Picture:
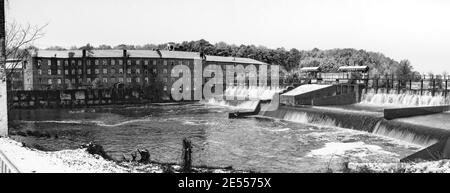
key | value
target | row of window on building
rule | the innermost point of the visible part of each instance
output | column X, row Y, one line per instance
column 114, row 62
column 89, row 80
column 96, row 71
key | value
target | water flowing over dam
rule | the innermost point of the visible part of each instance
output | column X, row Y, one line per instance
column 251, row 93
column 408, row 98
column 364, row 116
column 362, row 121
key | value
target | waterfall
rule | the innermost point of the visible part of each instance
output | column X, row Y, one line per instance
column 250, row 93
column 235, row 105
column 403, row 99
column 416, row 134
column 245, row 98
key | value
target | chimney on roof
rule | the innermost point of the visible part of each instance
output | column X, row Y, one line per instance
column 84, row 53
column 202, row 55
column 159, row 53
column 71, row 54
column 125, row 53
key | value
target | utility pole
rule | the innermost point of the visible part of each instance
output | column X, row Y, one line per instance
column 3, row 91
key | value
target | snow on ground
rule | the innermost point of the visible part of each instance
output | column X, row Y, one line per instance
column 28, row 160
column 67, row 161
column 441, row 166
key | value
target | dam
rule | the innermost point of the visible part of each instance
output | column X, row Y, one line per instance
column 406, row 116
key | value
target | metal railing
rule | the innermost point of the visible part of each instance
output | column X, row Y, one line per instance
column 6, row 166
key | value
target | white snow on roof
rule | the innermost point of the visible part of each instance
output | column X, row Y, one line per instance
column 305, row 89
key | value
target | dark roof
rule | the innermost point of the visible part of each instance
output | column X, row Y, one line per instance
column 141, row 54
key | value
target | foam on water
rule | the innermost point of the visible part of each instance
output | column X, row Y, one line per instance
column 358, row 149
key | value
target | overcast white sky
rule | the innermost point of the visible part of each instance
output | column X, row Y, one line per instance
column 401, row 29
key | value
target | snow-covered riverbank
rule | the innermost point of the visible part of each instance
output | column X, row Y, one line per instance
column 28, row 160
column 441, row 166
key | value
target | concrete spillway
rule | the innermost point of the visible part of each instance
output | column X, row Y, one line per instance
column 357, row 120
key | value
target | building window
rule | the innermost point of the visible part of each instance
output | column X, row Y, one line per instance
column 138, row 80
column 146, row 62
column 73, row 71
column 58, row 63
column 49, row 62
column 59, row 81
column 49, row 72
column 80, row 63
column 88, row 62
column 80, row 71
column 138, row 71
column 96, row 62
column 66, row 63
column 165, row 88
column 113, row 62
column 113, row 80
column 88, row 80
column 165, row 71
column 105, row 71
column 154, row 62
column 40, row 72
column 165, row 62
column 128, row 71
column 105, row 80
column 138, row 62
column 66, row 72
column 97, row 71
column 67, row 81
column 73, row 80
column 154, row 70
column 80, row 80
column 39, row 63
column 121, row 80
column 120, row 71
column 120, row 62
column 73, row 62
column 129, row 80
column 88, row 71
column 146, row 79
column 105, row 62
column 113, row 71
column 165, row 80
column 49, row 81
column 59, row 72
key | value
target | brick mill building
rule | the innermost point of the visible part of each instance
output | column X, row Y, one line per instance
column 83, row 69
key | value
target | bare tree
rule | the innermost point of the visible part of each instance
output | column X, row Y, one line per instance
column 18, row 38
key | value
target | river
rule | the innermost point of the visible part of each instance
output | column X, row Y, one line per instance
column 257, row 144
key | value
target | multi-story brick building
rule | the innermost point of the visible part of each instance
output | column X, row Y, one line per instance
column 14, row 71
column 79, row 69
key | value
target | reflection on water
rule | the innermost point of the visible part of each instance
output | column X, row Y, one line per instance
column 263, row 145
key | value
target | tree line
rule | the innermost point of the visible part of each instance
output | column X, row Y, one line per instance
column 292, row 60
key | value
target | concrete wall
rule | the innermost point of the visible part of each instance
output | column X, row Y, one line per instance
column 395, row 113
column 307, row 98
column 345, row 99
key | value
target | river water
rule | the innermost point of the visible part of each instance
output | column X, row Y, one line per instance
column 257, row 144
